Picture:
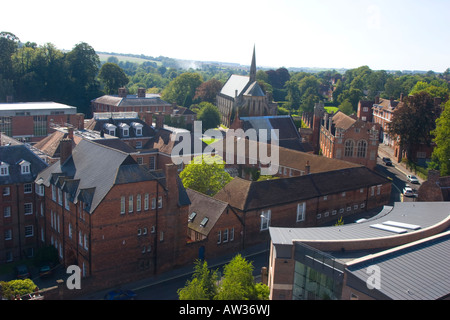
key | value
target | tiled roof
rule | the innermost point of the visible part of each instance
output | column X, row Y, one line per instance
column 250, row 195
column 204, row 207
column 343, row 121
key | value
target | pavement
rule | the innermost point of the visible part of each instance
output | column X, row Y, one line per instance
column 386, row 151
column 180, row 272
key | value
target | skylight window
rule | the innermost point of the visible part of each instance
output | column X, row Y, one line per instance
column 401, row 225
column 192, row 216
column 204, row 222
column 388, row 228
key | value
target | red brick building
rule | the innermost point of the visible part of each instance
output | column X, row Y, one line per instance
column 214, row 228
column 303, row 201
column 123, row 102
column 19, row 202
column 117, row 222
column 32, row 121
column 346, row 138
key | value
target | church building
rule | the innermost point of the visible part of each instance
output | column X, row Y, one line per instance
column 243, row 95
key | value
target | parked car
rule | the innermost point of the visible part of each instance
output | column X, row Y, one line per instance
column 408, row 191
column 22, row 272
column 120, row 295
column 387, row 161
column 412, row 179
column 45, row 270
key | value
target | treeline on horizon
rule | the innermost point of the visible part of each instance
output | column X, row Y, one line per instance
column 31, row 72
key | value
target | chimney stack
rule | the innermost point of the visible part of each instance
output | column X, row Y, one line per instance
column 70, row 132
column 148, row 118
column 65, row 150
column 123, row 92
column 159, row 120
column 141, row 92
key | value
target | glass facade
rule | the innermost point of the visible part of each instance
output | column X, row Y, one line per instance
column 317, row 275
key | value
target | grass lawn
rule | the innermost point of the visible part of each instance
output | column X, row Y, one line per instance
column 331, row 109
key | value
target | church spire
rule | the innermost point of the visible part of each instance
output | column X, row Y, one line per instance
column 253, row 67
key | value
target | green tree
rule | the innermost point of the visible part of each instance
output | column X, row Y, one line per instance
column 14, row 288
column 83, row 65
column 238, row 282
column 203, row 284
column 441, row 153
column 205, row 174
column 209, row 115
column 113, row 77
column 346, row 107
column 182, row 89
column 413, row 121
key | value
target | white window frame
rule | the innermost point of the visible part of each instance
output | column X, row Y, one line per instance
column 28, row 205
column 301, row 211
column 138, row 203
column 265, row 220
column 122, row 205
column 146, row 198
column 29, row 231
column 28, row 188
column 7, row 212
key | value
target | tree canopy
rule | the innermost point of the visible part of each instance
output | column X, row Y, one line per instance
column 205, row 174
column 237, row 283
column 413, row 121
column 209, row 115
column 113, row 77
column 441, row 153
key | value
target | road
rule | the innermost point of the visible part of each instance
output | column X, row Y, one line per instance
column 399, row 181
column 167, row 290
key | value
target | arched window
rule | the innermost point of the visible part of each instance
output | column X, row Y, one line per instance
column 349, row 144
column 362, row 148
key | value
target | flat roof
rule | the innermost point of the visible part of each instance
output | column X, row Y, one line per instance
column 9, row 109
column 417, row 214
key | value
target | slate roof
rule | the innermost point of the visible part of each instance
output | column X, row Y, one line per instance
column 235, row 82
column 13, row 155
column 98, row 125
column 248, row 195
column 86, row 176
column 204, row 207
column 417, row 271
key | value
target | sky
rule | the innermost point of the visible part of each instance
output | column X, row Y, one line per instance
column 384, row 35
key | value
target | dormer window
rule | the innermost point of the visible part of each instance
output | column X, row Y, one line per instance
column 4, row 169
column 110, row 129
column 24, row 167
column 125, row 129
column 137, row 128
